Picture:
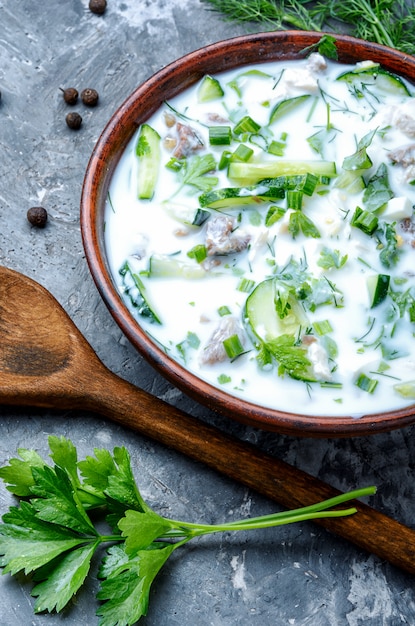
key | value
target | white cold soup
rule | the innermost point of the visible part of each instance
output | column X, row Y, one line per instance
column 260, row 228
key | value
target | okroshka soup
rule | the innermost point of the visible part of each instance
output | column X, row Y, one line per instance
column 259, row 226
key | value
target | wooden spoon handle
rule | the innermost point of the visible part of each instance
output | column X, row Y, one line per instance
column 243, row 462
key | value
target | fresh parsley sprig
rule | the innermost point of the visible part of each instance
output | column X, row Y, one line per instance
column 52, row 535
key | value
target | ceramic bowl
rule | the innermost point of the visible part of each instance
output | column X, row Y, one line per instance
column 138, row 107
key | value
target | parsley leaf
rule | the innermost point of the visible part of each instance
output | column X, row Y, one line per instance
column 389, row 254
column 126, row 587
column 18, row 474
column 292, row 358
column 194, row 170
column 331, row 259
column 378, row 191
column 360, row 159
column 299, row 222
column 58, row 502
column 27, row 543
column 326, row 46
column 63, row 579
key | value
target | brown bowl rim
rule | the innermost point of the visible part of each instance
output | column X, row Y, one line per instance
column 139, row 106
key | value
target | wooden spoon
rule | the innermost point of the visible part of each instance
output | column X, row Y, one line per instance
column 46, row 362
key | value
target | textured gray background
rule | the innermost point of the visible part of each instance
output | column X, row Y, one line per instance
column 298, row 575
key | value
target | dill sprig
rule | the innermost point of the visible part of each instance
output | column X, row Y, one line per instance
column 387, row 22
column 279, row 15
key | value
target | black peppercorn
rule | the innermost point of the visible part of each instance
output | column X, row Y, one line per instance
column 89, row 97
column 97, row 6
column 70, row 95
column 74, row 120
column 37, row 216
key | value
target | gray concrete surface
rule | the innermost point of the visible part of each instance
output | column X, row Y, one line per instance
column 294, row 576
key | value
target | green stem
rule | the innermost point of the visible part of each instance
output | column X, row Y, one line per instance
column 313, row 511
column 107, row 538
column 293, row 20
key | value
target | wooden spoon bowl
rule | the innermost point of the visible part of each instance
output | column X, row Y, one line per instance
column 142, row 103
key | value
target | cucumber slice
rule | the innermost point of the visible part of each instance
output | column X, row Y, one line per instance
column 378, row 286
column 240, row 196
column 376, row 75
column 351, row 181
column 209, row 89
column 406, row 389
column 186, row 215
column 164, row 266
column 286, row 106
column 149, row 157
column 135, row 289
column 262, row 318
column 250, row 173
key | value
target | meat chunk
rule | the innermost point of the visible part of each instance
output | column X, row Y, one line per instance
column 306, row 78
column 405, row 156
column 188, row 141
column 319, row 361
column 402, row 117
column 222, row 238
column 214, row 352
column 316, row 63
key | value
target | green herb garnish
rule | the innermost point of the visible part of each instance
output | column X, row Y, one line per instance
column 193, row 172
column 331, row 259
column 299, row 222
column 378, row 191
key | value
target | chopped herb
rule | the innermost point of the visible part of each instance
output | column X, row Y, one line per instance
column 175, row 164
column 246, row 125
column 277, row 148
column 274, row 214
column 224, row 310
column 220, row 135
column 378, row 191
column 326, row 46
column 246, row 285
column 322, row 327
column 360, row 159
column 366, row 221
column 192, row 341
column 319, row 140
column 242, row 154
column 331, row 259
column 198, row 252
column 299, row 222
column 330, row 385
column 294, row 199
column 224, row 379
column 224, row 160
column 194, row 170
column 233, row 346
column 366, row 384
column 291, row 358
column 389, row 254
